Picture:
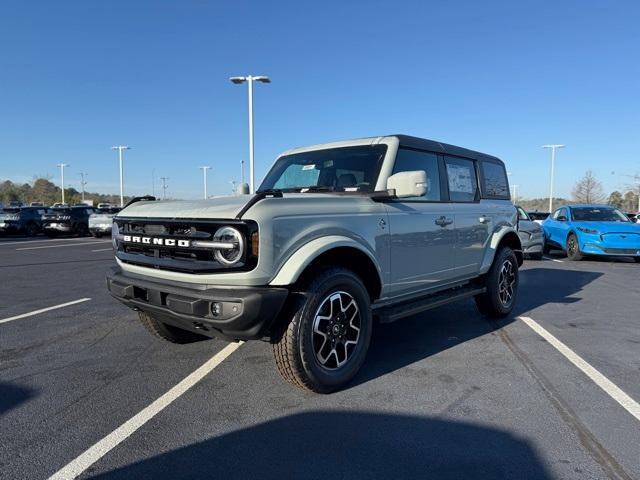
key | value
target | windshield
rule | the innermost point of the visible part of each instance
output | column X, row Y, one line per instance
column 598, row 214
column 522, row 215
column 345, row 169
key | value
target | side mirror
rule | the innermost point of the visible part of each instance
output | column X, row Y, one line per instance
column 562, row 218
column 408, row 184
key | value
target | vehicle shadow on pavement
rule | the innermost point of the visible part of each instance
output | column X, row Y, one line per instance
column 13, row 395
column 334, row 444
column 397, row 345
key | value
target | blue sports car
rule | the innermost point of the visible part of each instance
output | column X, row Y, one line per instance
column 592, row 230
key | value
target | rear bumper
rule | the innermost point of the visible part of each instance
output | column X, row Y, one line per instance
column 100, row 229
column 245, row 313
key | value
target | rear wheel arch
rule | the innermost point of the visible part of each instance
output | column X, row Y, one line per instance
column 511, row 240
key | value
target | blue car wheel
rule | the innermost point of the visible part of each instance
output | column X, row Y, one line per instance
column 573, row 248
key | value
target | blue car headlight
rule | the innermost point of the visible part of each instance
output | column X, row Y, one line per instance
column 590, row 231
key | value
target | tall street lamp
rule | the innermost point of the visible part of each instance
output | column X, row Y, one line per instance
column 553, row 148
column 250, row 79
column 204, row 173
column 83, row 182
column 62, row 165
column 120, row 149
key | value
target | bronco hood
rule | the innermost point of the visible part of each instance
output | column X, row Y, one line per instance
column 223, row 207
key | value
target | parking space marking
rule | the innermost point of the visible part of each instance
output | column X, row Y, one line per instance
column 42, row 310
column 102, row 249
column 65, row 245
column 104, row 446
column 553, row 259
column 610, row 388
column 26, row 242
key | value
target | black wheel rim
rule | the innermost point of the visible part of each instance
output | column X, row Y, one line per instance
column 573, row 246
column 506, row 283
column 336, row 330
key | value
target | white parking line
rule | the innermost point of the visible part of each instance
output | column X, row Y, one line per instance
column 610, row 388
column 553, row 259
column 104, row 446
column 102, row 249
column 66, row 245
column 42, row 310
column 26, row 242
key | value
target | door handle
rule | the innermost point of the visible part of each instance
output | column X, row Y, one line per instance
column 484, row 219
column 443, row 221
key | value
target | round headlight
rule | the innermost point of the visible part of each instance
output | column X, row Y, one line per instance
column 229, row 256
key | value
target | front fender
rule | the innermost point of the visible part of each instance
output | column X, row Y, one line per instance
column 296, row 263
column 496, row 239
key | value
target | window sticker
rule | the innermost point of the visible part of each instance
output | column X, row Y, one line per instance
column 309, row 167
column 460, row 178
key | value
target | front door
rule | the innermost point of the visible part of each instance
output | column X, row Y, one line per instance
column 422, row 233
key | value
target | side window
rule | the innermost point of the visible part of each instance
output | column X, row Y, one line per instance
column 411, row 160
column 461, row 176
column 494, row 180
column 556, row 214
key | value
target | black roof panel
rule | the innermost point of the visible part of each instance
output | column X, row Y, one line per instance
column 433, row 146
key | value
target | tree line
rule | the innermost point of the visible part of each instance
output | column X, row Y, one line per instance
column 45, row 191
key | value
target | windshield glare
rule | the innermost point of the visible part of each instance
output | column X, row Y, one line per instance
column 345, row 169
column 598, row 214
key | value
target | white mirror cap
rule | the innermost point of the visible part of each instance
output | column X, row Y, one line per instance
column 408, row 184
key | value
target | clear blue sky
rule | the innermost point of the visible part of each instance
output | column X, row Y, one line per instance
column 501, row 77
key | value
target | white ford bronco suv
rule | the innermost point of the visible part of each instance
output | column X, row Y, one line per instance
column 337, row 235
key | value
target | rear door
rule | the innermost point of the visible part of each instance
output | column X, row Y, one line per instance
column 422, row 236
column 473, row 220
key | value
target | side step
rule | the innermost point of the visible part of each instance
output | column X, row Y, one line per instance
column 413, row 307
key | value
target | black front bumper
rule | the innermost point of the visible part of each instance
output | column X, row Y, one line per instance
column 231, row 313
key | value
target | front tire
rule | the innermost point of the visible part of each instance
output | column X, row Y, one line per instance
column 168, row 332
column 501, row 283
column 636, row 259
column 573, row 248
column 326, row 341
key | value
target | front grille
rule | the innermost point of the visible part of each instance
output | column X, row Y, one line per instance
column 622, row 251
column 181, row 259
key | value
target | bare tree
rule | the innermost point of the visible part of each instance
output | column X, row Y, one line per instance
column 588, row 189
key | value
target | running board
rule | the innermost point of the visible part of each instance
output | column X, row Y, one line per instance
column 407, row 309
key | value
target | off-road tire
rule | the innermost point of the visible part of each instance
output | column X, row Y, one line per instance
column 490, row 303
column 293, row 350
column 168, row 332
column 82, row 230
column 573, row 249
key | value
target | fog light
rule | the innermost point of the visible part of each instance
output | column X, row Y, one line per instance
column 216, row 309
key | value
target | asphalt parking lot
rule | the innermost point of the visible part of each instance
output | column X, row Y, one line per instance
column 549, row 393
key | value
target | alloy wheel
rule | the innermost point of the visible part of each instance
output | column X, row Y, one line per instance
column 336, row 330
column 506, row 283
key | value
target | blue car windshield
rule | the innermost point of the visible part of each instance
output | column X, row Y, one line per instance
column 598, row 214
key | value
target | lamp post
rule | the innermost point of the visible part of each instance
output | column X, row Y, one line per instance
column 62, row 165
column 120, row 149
column 515, row 193
column 164, row 187
column 82, row 184
column 204, row 173
column 250, row 79
column 553, row 148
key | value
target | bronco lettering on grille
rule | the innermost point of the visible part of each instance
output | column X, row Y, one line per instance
column 167, row 242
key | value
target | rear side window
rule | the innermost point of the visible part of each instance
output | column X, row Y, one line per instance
column 461, row 176
column 412, row 160
column 494, row 181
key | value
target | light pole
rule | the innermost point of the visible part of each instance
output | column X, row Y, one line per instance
column 62, row 165
column 82, row 184
column 204, row 173
column 515, row 193
column 250, row 79
column 120, row 149
column 164, row 187
column 241, row 171
column 553, row 148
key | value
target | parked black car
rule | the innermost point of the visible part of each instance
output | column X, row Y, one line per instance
column 21, row 220
column 538, row 217
column 67, row 220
